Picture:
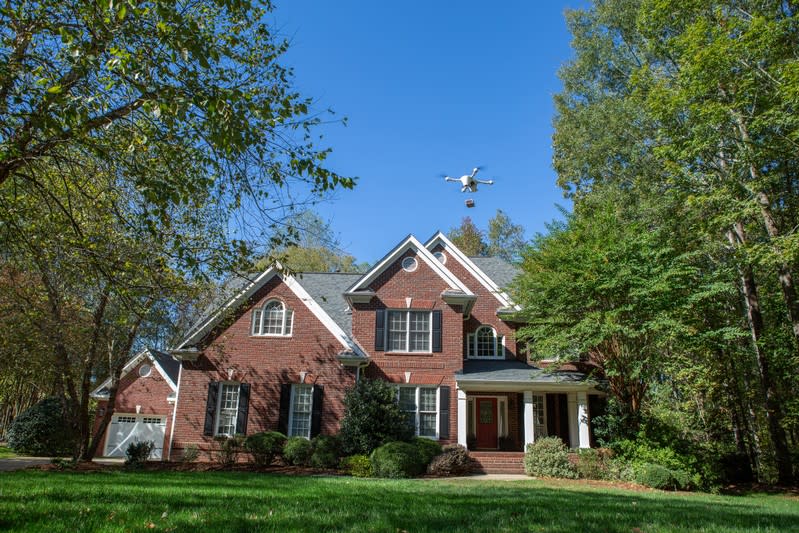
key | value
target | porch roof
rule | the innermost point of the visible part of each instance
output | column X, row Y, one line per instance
column 518, row 376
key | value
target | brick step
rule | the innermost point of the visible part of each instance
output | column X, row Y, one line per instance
column 499, row 462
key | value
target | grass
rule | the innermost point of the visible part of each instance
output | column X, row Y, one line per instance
column 235, row 501
column 6, row 453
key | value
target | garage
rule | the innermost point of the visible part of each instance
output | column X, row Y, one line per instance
column 127, row 428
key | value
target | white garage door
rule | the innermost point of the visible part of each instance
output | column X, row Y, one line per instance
column 125, row 429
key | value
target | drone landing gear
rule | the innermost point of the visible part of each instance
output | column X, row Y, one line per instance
column 469, row 203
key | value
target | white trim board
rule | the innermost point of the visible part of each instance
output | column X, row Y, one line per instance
column 474, row 270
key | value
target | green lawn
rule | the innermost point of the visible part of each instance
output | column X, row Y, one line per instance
column 234, row 501
column 5, row 452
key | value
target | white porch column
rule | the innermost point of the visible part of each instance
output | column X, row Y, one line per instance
column 529, row 421
column 462, row 418
column 573, row 426
column 582, row 419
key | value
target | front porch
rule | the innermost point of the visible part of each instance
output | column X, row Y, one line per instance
column 506, row 405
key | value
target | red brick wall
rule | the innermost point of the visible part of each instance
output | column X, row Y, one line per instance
column 485, row 308
column 149, row 392
column 425, row 286
column 265, row 363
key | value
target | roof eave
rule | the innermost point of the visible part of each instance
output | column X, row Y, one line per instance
column 190, row 354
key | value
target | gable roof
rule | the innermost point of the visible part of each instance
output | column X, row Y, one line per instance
column 456, row 286
column 327, row 289
column 242, row 289
column 166, row 365
column 496, row 268
column 494, row 286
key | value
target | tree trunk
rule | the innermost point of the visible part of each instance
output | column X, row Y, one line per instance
column 774, row 414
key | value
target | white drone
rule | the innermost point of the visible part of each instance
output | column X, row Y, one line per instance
column 469, row 182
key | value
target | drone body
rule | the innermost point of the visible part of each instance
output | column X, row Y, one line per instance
column 469, row 183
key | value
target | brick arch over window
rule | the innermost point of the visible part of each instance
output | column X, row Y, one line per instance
column 273, row 318
column 484, row 343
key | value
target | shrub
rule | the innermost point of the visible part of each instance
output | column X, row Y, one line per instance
column 548, row 457
column 454, row 460
column 591, row 463
column 372, row 417
column 641, row 453
column 297, row 451
column 326, row 451
column 42, row 430
column 138, row 452
column 660, row 477
column 396, row 460
column 264, row 446
column 427, row 449
column 357, row 465
column 229, row 448
column 190, row 453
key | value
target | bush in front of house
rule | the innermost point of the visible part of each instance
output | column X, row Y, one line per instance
column 191, row 452
column 397, row 460
column 641, row 455
column 297, row 451
column 228, row 449
column 326, row 451
column 660, row 477
column 454, row 460
column 548, row 457
column 592, row 463
column 138, row 452
column 357, row 465
column 42, row 430
column 372, row 417
column 265, row 446
column 427, row 449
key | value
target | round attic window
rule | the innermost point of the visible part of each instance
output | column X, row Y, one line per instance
column 409, row 264
column 441, row 257
column 145, row 370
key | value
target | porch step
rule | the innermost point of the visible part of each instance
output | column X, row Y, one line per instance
column 498, row 462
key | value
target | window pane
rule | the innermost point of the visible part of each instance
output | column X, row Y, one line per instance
column 427, row 400
column 273, row 319
column 289, row 315
column 427, row 425
column 407, row 399
column 397, row 330
column 486, row 342
column 538, row 409
column 228, row 409
column 301, row 411
column 256, row 322
column 420, row 331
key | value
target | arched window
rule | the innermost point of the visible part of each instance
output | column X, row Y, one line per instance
column 484, row 344
column 274, row 318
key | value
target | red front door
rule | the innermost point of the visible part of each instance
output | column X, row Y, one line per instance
column 486, row 422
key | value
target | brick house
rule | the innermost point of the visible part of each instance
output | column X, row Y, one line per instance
column 282, row 351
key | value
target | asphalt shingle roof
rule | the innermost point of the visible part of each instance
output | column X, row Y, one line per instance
column 496, row 268
column 327, row 289
column 514, row 372
column 170, row 365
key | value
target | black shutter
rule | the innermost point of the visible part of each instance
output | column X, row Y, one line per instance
column 244, row 409
column 316, row 410
column 210, row 408
column 380, row 320
column 443, row 413
column 285, row 402
column 437, row 330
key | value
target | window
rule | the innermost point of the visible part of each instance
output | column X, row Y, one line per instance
column 227, row 409
column 409, row 264
column 300, row 411
column 409, row 331
column 421, row 405
column 144, row 370
column 274, row 318
column 485, row 344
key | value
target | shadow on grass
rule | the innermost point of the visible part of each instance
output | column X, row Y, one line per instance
column 219, row 501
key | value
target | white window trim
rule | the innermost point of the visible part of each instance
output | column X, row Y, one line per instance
column 499, row 345
column 502, row 415
column 417, row 388
column 291, row 412
column 286, row 325
column 219, row 408
column 387, row 332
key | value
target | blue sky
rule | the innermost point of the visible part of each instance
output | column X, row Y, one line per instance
column 431, row 87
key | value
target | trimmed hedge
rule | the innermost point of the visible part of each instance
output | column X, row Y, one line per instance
column 357, row 465
column 427, row 449
column 397, row 460
column 548, row 457
column 454, row 460
column 42, row 430
column 326, row 451
column 297, row 451
column 265, row 446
